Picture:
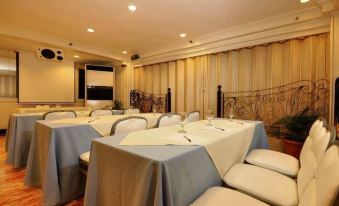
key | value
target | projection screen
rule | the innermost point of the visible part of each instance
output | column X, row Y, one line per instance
column 43, row 81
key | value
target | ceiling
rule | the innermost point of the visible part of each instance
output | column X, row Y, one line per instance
column 9, row 44
column 155, row 24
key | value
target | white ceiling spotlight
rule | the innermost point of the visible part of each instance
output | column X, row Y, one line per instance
column 183, row 35
column 304, row 1
column 90, row 30
column 132, row 7
column 124, row 52
column 76, row 56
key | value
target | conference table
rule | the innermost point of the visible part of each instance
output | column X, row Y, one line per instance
column 162, row 167
column 53, row 161
column 21, row 127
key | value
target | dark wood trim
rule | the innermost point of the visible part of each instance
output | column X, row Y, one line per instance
column 168, row 100
column 219, row 101
column 3, row 132
column 17, row 73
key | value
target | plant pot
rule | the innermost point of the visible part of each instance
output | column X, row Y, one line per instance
column 292, row 148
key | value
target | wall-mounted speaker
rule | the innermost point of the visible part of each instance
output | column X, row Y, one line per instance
column 50, row 54
column 135, row 57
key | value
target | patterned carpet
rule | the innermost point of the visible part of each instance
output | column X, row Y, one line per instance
column 12, row 188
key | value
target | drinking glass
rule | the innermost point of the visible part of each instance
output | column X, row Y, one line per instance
column 209, row 117
column 182, row 126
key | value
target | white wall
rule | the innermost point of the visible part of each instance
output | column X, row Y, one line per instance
column 42, row 81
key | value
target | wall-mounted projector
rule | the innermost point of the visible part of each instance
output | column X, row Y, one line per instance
column 51, row 54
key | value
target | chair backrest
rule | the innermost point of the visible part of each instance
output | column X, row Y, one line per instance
column 324, row 186
column 129, row 124
column 59, row 114
column 193, row 116
column 313, row 150
column 101, row 112
column 315, row 126
column 132, row 111
column 168, row 120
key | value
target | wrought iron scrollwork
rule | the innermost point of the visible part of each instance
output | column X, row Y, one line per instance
column 147, row 102
column 269, row 105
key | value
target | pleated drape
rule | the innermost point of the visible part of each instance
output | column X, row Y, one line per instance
column 8, row 85
column 194, row 80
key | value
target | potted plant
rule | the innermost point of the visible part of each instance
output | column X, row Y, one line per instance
column 295, row 129
column 117, row 107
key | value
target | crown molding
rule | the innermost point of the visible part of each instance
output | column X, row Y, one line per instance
column 326, row 5
column 54, row 41
column 287, row 26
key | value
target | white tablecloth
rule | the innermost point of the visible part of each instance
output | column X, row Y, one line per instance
column 103, row 124
column 226, row 142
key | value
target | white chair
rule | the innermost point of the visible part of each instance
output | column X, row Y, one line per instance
column 100, row 112
column 129, row 124
column 121, row 126
column 193, row 116
column 219, row 196
column 132, row 111
column 278, row 161
column 320, row 191
column 59, row 114
column 168, row 120
column 276, row 188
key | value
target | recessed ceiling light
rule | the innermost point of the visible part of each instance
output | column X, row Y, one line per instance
column 182, row 35
column 304, row 1
column 76, row 56
column 90, row 30
column 124, row 52
column 132, row 7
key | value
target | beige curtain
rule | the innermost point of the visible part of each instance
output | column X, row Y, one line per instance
column 8, row 85
column 194, row 80
column 123, row 83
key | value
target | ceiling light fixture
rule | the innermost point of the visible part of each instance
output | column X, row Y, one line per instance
column 76, row 56
column 304, row 1
column 132, row 7
column 182, row 35
column 90, row 30
column 124, row 52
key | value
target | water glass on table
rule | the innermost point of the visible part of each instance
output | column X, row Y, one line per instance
column 182, row 126
column 209, row 117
